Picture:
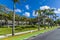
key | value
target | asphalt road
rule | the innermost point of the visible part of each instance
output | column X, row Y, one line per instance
column 52, row 35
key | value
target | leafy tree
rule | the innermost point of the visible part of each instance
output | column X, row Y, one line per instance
column 58, row 21
column 44, row 14
column 3, row 14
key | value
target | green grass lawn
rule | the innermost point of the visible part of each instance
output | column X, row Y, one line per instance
column 23, row 36
column 4, row 31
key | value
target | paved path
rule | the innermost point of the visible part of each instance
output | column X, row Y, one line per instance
column 52, row 35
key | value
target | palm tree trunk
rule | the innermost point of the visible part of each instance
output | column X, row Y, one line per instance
column 48, row 22
column 44, row 23
column 38, row 24
column 13, row 26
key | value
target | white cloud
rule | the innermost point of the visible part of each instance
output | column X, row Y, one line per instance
column 47, row 7
column 27, row 6
column 57, row 11
column 27, row 14
column 35, row 14
column 44, row 7
column 18, row 10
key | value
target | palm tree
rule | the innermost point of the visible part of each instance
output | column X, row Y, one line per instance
column 39, row 15
column 2, row 7
column 49, row 12
column 13, row 27
column 58, row 22
column 43, row 14
column 54, row 17
column 5, row 17
column 17, row 18
column 10, row 14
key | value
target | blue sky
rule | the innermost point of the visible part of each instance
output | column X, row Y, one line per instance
column 27, row 8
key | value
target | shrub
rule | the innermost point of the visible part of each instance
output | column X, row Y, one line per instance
column 24, row 27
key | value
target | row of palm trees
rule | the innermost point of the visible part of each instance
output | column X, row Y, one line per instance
column 44, row 16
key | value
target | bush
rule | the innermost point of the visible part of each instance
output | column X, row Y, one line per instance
column 3, row 26
column 24, row 27
column 18, row 28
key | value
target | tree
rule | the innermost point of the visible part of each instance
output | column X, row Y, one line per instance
column 5, row 17
column 13, row 27
column 55, row 17
column 17, row 18
column 2, row 12
column 57, row 21
column 49, row 14
column 10, row 14
column 43, row 15
column 14, row 8
column 39, row 15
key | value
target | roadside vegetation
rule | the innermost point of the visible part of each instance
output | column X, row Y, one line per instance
column 5, row 30
column 11, row 23
column 28, row 35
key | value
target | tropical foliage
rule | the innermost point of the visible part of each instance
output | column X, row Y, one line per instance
column 45, row 18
